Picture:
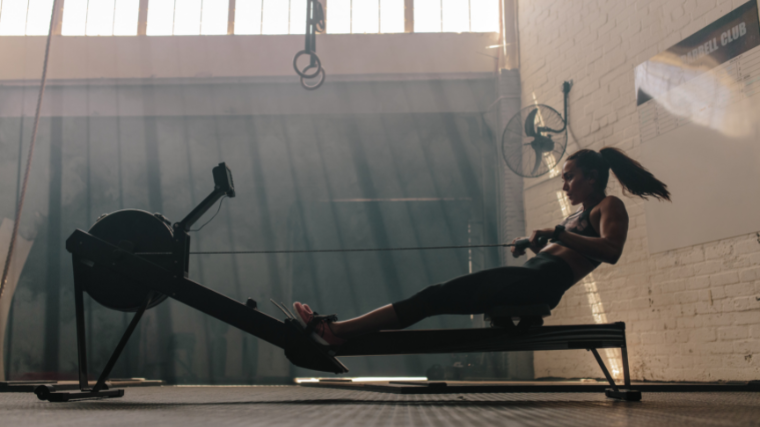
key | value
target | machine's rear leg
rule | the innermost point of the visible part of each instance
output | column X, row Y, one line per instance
column 120, row 347
column 626, row 373
column 615, row 392
column 81, row 338
column 46, row 392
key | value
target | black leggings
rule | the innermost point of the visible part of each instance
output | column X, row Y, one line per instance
column 543, row 279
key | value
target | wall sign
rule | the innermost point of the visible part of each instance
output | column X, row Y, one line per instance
column 699, row 127
column 728, row 37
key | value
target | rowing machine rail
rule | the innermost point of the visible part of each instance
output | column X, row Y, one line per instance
column 105, row 253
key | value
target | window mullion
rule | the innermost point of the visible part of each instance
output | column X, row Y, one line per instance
column 231, row 18
column 324, row 9
column 26, row 18
column 174, row 16
column 142, row 18
column 113, row 18
column 58, row 17
column 86, row 17
column 408, row 16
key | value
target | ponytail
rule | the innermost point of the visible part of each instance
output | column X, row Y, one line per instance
column 634, row 178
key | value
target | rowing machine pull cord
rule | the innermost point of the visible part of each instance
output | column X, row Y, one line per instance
column 521, row 244
column 315, row 21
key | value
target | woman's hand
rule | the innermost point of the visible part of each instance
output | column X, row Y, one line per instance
column 535, row 244
column 517, row 252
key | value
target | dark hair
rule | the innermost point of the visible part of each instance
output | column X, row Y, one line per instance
column 636, row 179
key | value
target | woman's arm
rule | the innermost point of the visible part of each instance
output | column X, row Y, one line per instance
column 613, row 231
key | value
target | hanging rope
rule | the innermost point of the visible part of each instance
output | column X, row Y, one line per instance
column 12, row 246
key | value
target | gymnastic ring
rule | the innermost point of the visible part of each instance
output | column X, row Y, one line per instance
column 313, row 56
column 316, row 86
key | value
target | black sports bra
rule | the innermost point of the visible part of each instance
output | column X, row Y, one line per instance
column 580, row 223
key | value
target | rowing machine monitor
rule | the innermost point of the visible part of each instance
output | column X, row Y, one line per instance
column 223, row 186
column 223, row 179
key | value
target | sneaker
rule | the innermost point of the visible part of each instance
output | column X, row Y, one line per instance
column 322, row 332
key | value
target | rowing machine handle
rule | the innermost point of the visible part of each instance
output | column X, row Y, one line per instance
column 523, row 244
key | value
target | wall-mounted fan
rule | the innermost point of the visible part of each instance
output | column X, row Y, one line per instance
column 535, row 139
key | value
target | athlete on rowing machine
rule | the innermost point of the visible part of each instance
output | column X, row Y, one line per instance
column 594, row 234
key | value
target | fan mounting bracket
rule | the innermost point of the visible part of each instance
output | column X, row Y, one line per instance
column 566, row 86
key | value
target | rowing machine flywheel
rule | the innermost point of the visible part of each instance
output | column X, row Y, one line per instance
column 134, row 231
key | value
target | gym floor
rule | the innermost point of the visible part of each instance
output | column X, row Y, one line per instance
column 303, row 406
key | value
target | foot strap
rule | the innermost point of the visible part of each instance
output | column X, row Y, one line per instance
column 317, row 319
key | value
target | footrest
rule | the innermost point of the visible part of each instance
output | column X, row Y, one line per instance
column 623, row 394
column 308, row 354
column 528, row 315
column 46, row 392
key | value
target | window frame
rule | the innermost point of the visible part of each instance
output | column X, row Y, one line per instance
column 142, row 21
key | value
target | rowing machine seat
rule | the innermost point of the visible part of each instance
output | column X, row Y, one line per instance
column 527, row 315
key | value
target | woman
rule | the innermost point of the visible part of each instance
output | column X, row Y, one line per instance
column 594, row 234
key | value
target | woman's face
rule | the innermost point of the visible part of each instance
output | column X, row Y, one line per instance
column 575, row 184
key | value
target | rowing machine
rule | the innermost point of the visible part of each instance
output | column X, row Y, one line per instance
column 122, row 263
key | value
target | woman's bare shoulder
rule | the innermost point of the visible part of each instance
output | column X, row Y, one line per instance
column 612, row 201
column 612, row 204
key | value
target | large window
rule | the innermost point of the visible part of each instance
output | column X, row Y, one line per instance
column 25, row 17
column 100, row 18
column 209, row 17
column 187, row 17
column 270, row 16
column 365, row 16
column 456, row 16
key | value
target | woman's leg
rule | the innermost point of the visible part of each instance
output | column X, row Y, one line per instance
column 379, row 319
column 470, row 294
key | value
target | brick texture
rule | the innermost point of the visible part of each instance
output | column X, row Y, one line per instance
column 692, row 314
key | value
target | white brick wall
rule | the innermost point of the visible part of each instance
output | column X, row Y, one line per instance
column 693, row 313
